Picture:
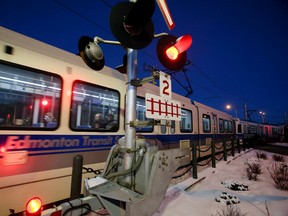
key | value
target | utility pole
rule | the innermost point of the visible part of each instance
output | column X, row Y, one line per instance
column 245, row 111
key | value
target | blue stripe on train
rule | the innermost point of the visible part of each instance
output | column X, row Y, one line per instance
column 49, row 144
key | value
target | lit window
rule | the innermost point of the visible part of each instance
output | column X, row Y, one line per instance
column 206, row 121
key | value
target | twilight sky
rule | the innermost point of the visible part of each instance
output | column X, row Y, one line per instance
column 239, row 52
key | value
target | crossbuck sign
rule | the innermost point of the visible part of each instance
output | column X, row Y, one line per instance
column 162, row 107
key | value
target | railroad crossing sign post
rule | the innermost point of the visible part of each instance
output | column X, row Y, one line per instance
column 130, row 115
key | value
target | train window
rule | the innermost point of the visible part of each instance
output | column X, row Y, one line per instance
column 94, row 108
column 249, row 129
column 253, row 129
column 206, row 120
column 221, row 125
column 29, row 98
column 230, row 127
column 245, row 128
column 186, row 125
column 239, row 128
column 226, row 126
column 141, row 115
column 163, row 126
column 172, row 127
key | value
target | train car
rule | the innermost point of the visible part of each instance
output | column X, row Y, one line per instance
column 255, row 130
column 213, row 124
column 49, row 102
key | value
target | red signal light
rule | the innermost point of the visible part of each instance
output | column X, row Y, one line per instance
column 183, row 43
column 171, row 51
column 33, row 207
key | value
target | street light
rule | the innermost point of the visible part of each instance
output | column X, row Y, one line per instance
column 229, row 107
column 263, row 114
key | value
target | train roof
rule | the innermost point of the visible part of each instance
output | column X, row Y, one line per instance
column 255, row 123
column 15, row 38
column 198, row 104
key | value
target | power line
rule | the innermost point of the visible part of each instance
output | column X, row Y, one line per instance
column 106, row 3
column 82, row 16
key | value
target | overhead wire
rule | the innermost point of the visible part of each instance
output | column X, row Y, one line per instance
column 106, row 3
column 240, row 98
column 82, row 16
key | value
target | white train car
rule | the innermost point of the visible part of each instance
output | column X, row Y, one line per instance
column 264, row 131
column 48, row 100
column 213, row 124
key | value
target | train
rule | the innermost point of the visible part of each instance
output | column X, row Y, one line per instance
column 50, row 105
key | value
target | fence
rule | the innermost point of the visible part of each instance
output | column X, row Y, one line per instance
column 218, row 150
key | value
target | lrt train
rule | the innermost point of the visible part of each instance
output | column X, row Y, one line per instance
column 53, row 107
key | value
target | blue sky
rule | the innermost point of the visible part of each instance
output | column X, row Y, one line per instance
column 239, row 52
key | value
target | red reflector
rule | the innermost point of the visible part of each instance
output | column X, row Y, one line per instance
column 34, row 205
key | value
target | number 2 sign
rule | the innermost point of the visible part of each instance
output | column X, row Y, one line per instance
column 165, row 85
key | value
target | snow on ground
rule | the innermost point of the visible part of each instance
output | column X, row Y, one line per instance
column 184, row 200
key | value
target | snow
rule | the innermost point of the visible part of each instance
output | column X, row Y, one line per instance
column 197, row 197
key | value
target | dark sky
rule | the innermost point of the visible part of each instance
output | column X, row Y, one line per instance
column 239, row 52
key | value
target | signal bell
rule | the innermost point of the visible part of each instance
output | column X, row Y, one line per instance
column 91, row 53
column 171, row 51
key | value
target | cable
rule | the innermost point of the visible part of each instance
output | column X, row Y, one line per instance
column 106, row 3
column 80, row 15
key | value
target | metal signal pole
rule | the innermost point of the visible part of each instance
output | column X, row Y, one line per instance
column 131, row 92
